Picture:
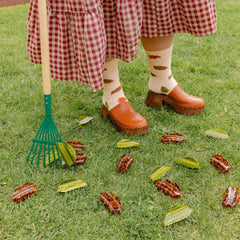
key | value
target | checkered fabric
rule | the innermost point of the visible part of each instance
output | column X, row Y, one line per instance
column 123, row 20
column 83, row 32
column 77, row 40
column 166, row 17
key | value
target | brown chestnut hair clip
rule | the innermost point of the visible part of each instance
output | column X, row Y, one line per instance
column 77, row 145
column 220, row 163
column 23, row 192
column 169, row 188
column 231, row 197
column 172, row 138
column 112, row 202
column 124, row 163
column 80, row 160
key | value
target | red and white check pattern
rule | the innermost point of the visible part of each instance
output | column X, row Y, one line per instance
column 123, row 20
column 77, row 40
column 165, row 17
column 83, row 32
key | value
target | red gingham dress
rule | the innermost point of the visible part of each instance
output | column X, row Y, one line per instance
column 83, row 32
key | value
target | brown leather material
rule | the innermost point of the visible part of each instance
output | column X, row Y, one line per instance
column 179, row 100
column 125, row 119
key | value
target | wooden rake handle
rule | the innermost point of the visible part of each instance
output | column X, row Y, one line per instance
column 43, row 24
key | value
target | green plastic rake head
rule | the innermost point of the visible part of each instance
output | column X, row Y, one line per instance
column 44, row 144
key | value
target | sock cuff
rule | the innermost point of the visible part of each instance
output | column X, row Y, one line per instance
column 160, row 52
column 111, row 70
column 111, row 63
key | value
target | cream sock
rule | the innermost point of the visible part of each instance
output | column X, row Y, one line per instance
column 112, row 91
column 161, row 80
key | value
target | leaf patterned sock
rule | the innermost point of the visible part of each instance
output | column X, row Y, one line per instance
column 161, row 80
column 112, row 91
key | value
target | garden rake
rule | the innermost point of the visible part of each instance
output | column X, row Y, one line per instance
column 44, row 144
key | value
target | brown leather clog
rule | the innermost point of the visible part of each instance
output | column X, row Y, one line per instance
column 125, row 119
column 179, row 100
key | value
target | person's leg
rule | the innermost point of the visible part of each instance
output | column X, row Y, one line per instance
column 162, row 85
column 112, row 91
column 116, row 106
column 158, row 43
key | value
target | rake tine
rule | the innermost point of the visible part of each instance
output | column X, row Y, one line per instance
column 41, row 134
column 38, row 133
column 44, row 157
column 49, row 156
column 39, row 154
column 34, row 153
column 48, row 150
column 53, row 152
column 48, row 146
column 55, row 161
column 40, row 148
column 30, row 151
column 58, row 138
column 51, row 135
column 59, row 159
column 41, row 137
column 56, row 135
column 52, row 145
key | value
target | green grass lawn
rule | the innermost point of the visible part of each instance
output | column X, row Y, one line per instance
column 207, row 67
